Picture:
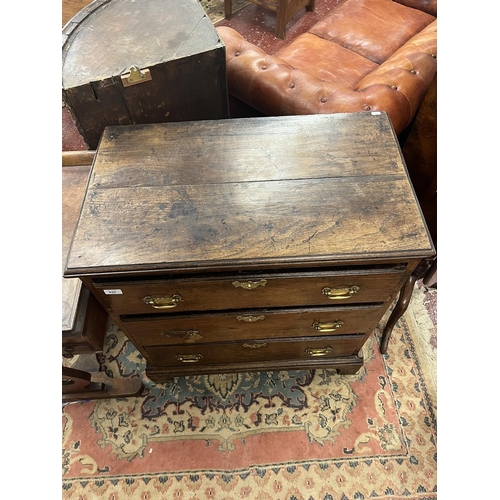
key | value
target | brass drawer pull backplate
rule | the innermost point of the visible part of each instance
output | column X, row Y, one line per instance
column 340, row 293
column 162, row 302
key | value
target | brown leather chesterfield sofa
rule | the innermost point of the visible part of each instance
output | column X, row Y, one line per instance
column 363, row 55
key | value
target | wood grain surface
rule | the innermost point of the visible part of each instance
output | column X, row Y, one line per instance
column 221, row 193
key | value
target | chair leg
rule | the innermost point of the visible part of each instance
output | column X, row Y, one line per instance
column 85, row 381
column 400, row 308
column 228, row 9
column 310, row 6
column 430, row 277
column 281, row 20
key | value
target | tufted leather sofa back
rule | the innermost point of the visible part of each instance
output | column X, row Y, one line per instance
column 364, row 55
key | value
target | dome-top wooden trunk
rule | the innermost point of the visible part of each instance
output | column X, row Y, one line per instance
column 142, row 61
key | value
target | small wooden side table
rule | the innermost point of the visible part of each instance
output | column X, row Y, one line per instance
column 285, row 10
column 83, row 318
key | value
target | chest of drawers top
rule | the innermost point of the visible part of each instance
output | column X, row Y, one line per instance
column 250, row 193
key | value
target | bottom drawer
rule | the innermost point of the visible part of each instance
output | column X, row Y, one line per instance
column 251, row 351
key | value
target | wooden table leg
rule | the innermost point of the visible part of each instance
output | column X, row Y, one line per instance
column 400, row 308
column 403, row 302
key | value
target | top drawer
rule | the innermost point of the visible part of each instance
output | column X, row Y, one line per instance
column 259, row 291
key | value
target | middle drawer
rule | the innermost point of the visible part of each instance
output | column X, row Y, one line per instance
column 251, row 324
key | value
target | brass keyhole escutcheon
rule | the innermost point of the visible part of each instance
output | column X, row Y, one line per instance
column 249, row 285
column 255, row 345
column 250, row 319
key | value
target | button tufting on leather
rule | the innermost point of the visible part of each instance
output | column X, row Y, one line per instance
column 393, row 87
column 323, row 99
column 366, row 107
column 264, row 67
column 413, row 72
column 237, row 53
column 433, row 55
column 292, row 85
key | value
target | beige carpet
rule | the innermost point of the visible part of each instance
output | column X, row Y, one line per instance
column 422, row 318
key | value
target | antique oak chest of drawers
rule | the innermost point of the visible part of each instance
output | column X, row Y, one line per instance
column 249, row 244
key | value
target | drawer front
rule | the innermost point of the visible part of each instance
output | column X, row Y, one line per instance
column 263, row 350
column 320, row 289
column 253, row 324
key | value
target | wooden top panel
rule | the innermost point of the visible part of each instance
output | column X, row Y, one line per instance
column 109, row 36
column 223, row 193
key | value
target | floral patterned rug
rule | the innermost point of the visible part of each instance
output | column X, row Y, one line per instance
column 308, row 434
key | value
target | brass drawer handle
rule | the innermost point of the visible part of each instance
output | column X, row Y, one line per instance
column 162, row 302
column 319, row 351
column 327, row 327
column 250, row 319
column 340, row 293
column 256, row 345
column 249, row 285
column 189, row 358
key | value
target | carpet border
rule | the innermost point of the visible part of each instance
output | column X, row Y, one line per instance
column 264, row 468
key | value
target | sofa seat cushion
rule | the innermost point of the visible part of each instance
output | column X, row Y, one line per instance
column 326, row 61
column 374, row 29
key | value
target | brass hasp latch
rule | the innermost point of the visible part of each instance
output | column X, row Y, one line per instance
column 135, row 76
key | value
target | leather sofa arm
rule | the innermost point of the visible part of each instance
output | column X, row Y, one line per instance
column 429, row 6
column 274, row 87
column 408, row 72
